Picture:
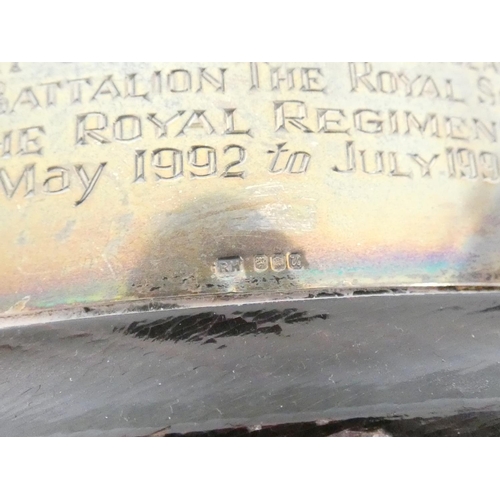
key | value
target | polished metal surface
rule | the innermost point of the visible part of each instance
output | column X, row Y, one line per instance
column 201, row 246
column 192, row 184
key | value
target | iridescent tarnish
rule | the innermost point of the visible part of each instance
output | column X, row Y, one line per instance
column 121, row 182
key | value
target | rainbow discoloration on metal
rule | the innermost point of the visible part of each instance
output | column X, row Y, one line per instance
column 125, row 183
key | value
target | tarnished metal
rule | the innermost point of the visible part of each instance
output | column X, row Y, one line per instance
column 173, row 182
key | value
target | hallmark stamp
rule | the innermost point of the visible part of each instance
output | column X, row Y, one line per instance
column 229, row 265
column 278, row 262
column 260, row 263
column 294, row 261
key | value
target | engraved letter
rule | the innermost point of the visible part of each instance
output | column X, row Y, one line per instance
column 127, row 128
column 5, row 145
column 350, row 159
column 254, row 76
column 139, row 165
column 333, row 117
column 274, row 162
column 76, row 89
column 393, row 122
column 287, row 77
column 229, row 118
column 176, row 164
column 4, row 102
column 454, row 128
column 27, row 96
column 485, row 87
column 88, row 184
column 10, row 188
column 131, row 85
column 28, row 145
column 466, row 161
column 218, row 84
column 379, row 162
column 283, row 114
column 488, row 163
column 304, row 162
column 360, row 76
column 202, row 169
column 369, row 126
column 430, row 120
column 387, row 82
column 309, row 78
column 394, row 167
column 450, row 162
column 197, row 120
column 162, row 127
column 242, row 156
column 86, row 126
column 408, row 83
column 429, row 88
column 424, row 165
column 450, row 94
column 51, row 92
column 107, row 87
column 179, row 80
column 489, row 133
column 57, row 183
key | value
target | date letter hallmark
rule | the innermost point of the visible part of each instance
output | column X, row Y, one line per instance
column 294, row 261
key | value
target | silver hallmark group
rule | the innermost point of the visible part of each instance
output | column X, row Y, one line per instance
column 277, row 262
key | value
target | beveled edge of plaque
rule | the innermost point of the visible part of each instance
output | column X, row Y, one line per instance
column 96, row 310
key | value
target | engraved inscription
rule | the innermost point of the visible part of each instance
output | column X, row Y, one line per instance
column 296, row 117
column 113, row 87
column 56, row 180
column 197, row 162
column 157, row 125
column 22, row 142
column 98, row 127
column 265, row 76
column 365, row 78
column 295, row 162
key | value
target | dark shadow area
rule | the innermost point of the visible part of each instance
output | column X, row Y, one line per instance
column 478, row 424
